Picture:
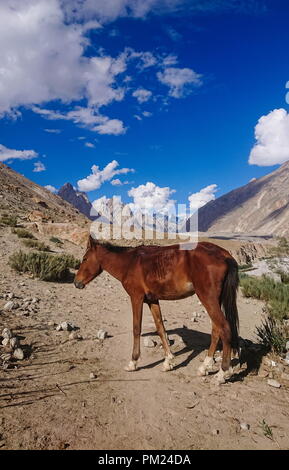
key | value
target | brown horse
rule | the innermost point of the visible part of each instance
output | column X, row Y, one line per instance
column 153, row 273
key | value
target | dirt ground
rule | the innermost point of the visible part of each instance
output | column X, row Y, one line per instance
column 48, row 401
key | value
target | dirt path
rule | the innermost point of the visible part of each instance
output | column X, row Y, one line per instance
column 50, row 402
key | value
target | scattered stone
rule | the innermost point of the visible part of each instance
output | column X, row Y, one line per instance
column 14, row 342
column 287, row 346
column 5, row 342
column 6, row 333
column 10, row 296
column 18, row 354
column 34, row 300
column 50, row 323
column 11, row 305
column 6, row 357
column 245, row 426
column 101, row 334
column 92, row 375
column 148, row 342
column 287, row 358
column 216, row 432
column 273, row 383
column 65, row 326
column 263, row 374
column 74, row 335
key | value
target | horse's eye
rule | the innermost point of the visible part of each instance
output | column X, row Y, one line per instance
column 84, row 259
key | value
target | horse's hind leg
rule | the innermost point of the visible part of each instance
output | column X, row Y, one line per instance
column 157, row 315
column 221, row 328
column 137, row 309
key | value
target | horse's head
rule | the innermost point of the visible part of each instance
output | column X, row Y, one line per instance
column 90, row 265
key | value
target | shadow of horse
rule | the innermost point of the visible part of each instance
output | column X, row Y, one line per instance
column 195, row 343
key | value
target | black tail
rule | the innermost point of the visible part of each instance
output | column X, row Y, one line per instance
column 229, row 301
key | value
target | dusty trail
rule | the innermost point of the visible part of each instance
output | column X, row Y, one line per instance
column 49, row 401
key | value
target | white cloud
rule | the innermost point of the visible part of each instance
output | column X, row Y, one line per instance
column 272, row 139
column 147, row 114
column 39, row 167
column 136, row 116
column 50, row 188
column 53, row 131
column 198, row 200
column 89, row 145
column 117, row 182
column 151, row 198
column 10, row 154
column 142, row 95
column 86, row 117
column 98, row 177
column 179, row 81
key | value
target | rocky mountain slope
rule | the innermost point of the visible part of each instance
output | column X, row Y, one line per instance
column 261, row 206
column 77, row 199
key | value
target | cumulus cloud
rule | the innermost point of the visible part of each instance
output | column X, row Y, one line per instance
column 39, row 167
column 142, row 95
column 180, row 81
column 89, row 145
column 198, row 200
column 272, row 139
column 98, row 177
column 151, row 198
column 117, row 182
column 51, row 188
column 11, row 154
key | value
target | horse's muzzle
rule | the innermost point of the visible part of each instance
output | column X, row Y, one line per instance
column 78, row 284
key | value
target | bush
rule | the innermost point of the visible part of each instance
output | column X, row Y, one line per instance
column 22, row 233
column 36, row 244
column 44, row 266
column 273, row 335
column 10, row 220
column 274, row 293
column 282, row 249
column 56, row 241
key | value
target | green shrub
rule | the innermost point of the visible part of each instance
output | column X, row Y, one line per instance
column 22, row 233
column 273, row 335
column 36, row 244
column 56, row 241
column 44, row 266
column 281, row 250
column 10, row 220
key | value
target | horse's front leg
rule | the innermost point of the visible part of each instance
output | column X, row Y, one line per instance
column 157, row 315
column 137, row 309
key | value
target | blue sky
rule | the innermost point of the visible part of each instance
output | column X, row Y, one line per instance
column 203, row 73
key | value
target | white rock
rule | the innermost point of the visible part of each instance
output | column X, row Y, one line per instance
column 287, row 346
column 34, row 300
column 10, row 305
column 245, row 426
column 273, row 383
column 101, row 334
column 14, row 342
column 92, row 375
column 10, row 296
column 18, row 354
column 65, row 326
column 5, row 342
column 6, row 333
column 74, row 335
column 148, row 342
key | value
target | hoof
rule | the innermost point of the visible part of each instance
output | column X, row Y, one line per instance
column 167, row 366
column 206, row 367
column 131, row 367
column 222, row 376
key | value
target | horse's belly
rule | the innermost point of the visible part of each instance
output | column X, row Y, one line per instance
column 178, row 292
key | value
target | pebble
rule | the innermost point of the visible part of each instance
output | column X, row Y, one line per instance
column 215, row 432
column 287, row 346
column 92, row 375
column 65, row 326
column 14, row 342
column 245, row 426
column 149, row 343
column 18, row 354
column 101, row 334
column 74, row 335
column 11, row 305
column 273, row 383
column 5, row 342
column 6, row 333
